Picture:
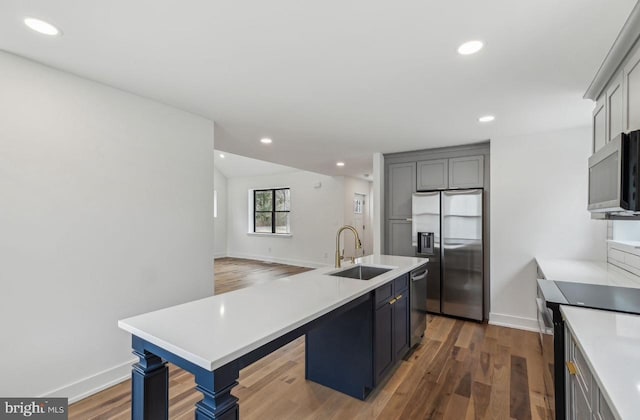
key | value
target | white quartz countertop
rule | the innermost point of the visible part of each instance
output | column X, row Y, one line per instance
column 213, row 331
column 610, row 341
column 587, row 271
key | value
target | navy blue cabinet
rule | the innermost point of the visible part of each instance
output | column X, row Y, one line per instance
column 391, row 326
column 354, row 351
column 400, row 326
column 383, row 345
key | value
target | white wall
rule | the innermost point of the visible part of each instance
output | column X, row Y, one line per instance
column 351, row 187
column 538, row 208
column 106, row 212
column 220, row 223
column 316, row 214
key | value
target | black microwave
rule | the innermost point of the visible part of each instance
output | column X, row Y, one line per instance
column 614, row 176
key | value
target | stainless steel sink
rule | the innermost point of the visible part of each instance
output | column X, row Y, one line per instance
column 361, row 272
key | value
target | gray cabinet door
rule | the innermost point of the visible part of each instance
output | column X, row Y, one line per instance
column 401, row 184
column 579, row 408
column 614, row 108
column 599, row 129
column 399, row 238
column 433, row 174
column 466, row 172
column 631, row 94
column 578, row 384
column 602, row 411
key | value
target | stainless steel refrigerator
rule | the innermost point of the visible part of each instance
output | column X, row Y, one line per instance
column 447, row 229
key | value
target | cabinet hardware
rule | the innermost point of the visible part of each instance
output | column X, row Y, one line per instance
column 571, row 368
column 398, row 297
column 392, row 301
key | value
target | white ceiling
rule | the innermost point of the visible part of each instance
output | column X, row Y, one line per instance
column 336, row 80
column 233, row 166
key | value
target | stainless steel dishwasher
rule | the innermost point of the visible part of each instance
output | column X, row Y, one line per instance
column 418, row 294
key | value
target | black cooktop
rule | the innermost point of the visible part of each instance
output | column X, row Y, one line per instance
column 611, row 298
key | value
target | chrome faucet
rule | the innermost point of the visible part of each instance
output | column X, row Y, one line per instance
column 358, row 244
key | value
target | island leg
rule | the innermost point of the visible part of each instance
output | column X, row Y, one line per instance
column 149, row 386
column 218, row 403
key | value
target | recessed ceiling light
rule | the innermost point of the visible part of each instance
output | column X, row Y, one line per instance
column 486, row 118
column 266, row 140
column 339, row 163
column 221, row 155
column 470, row 47
column 42, row 27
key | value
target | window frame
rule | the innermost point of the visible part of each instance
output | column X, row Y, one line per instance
column 273, row 210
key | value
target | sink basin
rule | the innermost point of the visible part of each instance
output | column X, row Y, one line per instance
column 361, row 272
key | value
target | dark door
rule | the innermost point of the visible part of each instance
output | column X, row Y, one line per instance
column 382, row 340
column 401, row 337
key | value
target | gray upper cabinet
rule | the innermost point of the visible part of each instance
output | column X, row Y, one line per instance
column 439, row 169
column 466, row 172
column 614, row 108
column 433, row 174
column 442, row 174
column 401, row 184
column 616, row 86
column 631, row 92
column 599, row 127
column 617, row 109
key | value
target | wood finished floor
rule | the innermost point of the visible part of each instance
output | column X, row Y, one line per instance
column 236, row 273
column 462, row 370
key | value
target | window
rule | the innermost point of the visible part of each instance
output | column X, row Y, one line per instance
column 358, row 203
column 271, row 209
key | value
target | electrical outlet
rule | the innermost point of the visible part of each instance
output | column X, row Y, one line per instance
column 269, row 250
column 326, row 255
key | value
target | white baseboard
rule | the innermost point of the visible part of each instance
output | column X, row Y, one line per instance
column 92, row 384
column 270, row 258
column 512, row 321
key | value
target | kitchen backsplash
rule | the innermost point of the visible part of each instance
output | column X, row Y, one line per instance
column 621, row 230
column 623, row 248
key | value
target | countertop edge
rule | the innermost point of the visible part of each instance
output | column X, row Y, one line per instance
column 591, row 272
column 212, row 365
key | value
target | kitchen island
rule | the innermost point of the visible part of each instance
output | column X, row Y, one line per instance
column 215, row 337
